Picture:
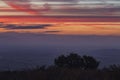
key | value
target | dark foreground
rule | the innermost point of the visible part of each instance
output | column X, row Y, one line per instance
column 53, row 73
column 66, row 67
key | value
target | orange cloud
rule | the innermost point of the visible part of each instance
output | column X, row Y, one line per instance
column 39, row 19
column 74, row 28
column 21, row 8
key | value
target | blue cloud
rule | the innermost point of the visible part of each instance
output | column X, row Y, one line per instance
column 12, row 26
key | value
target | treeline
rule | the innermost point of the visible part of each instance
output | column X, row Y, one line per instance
column 74, row 60
column 66, row 67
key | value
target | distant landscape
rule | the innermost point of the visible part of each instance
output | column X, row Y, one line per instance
column 66, row 67
column 59, row 40
column 22, row 50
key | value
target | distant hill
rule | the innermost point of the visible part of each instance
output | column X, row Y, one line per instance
column 107, row 56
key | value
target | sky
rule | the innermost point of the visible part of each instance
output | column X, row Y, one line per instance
column 60, row 8
column 62, row 17
column 34, row 32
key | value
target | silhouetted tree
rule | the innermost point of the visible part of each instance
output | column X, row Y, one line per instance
column 90, row 62
column 61, row 61
column 74, row 60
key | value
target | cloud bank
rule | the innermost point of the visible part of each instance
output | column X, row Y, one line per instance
column 11, row 26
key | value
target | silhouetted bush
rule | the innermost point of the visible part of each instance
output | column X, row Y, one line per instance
column 61, row 61
column 90, row 62
column 74, row 60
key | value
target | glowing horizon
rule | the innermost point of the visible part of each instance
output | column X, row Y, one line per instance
column 75, row 28
column 69, row 17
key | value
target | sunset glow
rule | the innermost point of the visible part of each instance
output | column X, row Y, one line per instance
column 34, row 32
column 66, row 28
column 68, row 18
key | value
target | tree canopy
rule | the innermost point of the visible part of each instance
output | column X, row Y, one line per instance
column 74, row 60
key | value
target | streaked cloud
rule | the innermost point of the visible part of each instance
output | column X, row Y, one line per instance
column 83, row 28
column 40, row 26
column 64, row 7
column 52, row 31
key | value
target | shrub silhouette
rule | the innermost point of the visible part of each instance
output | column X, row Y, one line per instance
column 113, row 67
column 74, row 60
column 90, row 62
column 61, row 61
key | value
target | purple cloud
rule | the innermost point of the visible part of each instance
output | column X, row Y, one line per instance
column 40, row 26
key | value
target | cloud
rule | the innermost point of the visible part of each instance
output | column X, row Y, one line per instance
column 55, row 0
column 70, row 0
column 11, row 26
column 70, row 9
column 54, row 31
column 106, row 28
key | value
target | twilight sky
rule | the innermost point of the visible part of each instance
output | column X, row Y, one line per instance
column 34, row 32
column 60, row 7
column 68, row 17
